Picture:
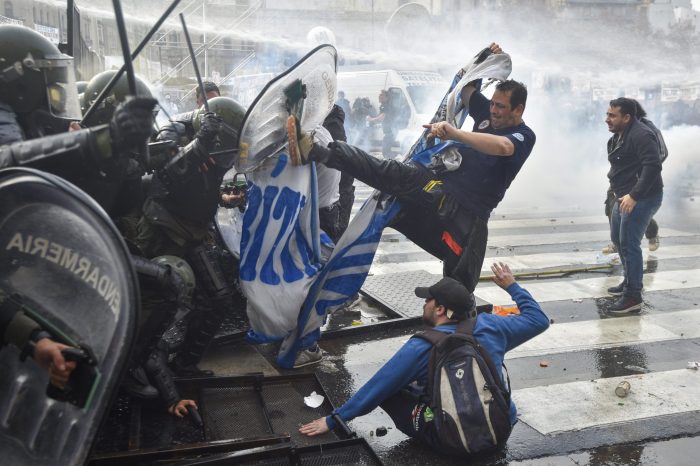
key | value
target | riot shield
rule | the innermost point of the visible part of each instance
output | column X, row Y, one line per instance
column 263, row 131
column 64, row 264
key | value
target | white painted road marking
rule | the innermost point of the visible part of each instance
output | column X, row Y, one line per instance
column 539, row 239
column 591, row 287
column 578, row 405
column 621, row 331
column 527, row 262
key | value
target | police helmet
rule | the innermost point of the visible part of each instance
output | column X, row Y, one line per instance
column 34, row 74
column 232, row 113
column 180, row 267
column 103, row 114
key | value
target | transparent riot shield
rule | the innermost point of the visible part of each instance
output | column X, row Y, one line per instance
column 64, row 264
column 263, row 131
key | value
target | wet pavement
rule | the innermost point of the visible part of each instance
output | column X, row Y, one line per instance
column 585, row 350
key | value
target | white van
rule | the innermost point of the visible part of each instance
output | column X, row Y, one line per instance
column 416, row 95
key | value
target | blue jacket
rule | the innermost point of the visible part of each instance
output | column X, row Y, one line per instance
column 496, row 334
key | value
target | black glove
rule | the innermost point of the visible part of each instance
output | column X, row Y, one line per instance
column 210, row 123
column 132, row 123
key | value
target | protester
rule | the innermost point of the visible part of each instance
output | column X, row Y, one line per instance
column 652, row 231
column 343, row 103
column 457, row 202
column 400, row 386
column 387, row 117
column 334, row 213
column 635, row 180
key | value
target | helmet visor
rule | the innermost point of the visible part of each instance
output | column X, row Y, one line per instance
column 61, row 90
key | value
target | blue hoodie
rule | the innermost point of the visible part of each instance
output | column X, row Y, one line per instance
column 496, row 334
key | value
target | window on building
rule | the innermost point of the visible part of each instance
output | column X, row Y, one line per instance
column 100, row 37
column 9, row 11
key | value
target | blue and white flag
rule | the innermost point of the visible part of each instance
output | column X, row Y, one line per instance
column 280, row 241
column 277, row 265
column 343, row 275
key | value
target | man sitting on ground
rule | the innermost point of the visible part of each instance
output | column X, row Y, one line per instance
column 400, row 385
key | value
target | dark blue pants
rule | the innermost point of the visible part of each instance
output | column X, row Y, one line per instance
column 407, row 412
column 626, row 232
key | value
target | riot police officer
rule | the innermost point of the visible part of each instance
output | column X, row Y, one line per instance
column 178, row 214
column 180, row 128
column 38, row 103
column 125, row 208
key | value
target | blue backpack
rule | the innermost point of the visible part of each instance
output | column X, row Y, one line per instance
column 468, row 398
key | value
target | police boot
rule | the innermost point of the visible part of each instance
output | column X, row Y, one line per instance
column 200, row 334
column 159, row 374
column 217, row 293
column 136, row 384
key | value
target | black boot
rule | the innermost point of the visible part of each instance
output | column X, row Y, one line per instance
column 216, row 300
column 136, row 384
column 200, row 333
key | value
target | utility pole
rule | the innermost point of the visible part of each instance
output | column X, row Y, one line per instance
column 204, row 37
column 373, row 24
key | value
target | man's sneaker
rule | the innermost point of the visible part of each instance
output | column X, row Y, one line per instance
column 617, row 290
column 625, row 305
column 610, row 249
column 300, row 145
column 308, row 356
column 654, row 243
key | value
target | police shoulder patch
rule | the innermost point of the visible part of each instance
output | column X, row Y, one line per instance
column 519, row 137
column 484, row 124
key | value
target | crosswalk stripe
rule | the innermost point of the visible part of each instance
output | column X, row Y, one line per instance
column 500, row 224
column 572, row 406
column 621, row 331
column 532, row 239
column 592, row 287
column 578, row 405
column 567, row 237
column 538, row 261
column 597, row 334
column 496, row 224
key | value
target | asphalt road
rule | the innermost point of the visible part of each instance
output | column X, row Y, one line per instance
column 563, row 381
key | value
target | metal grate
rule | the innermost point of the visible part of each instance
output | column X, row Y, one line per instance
column 352, row 452
column 353, row 455
column 160, row 429
column 232, row 412
column 268, row 462
column 246, row 410
column 286, row 409
column 114, row 433
column 397, row 291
